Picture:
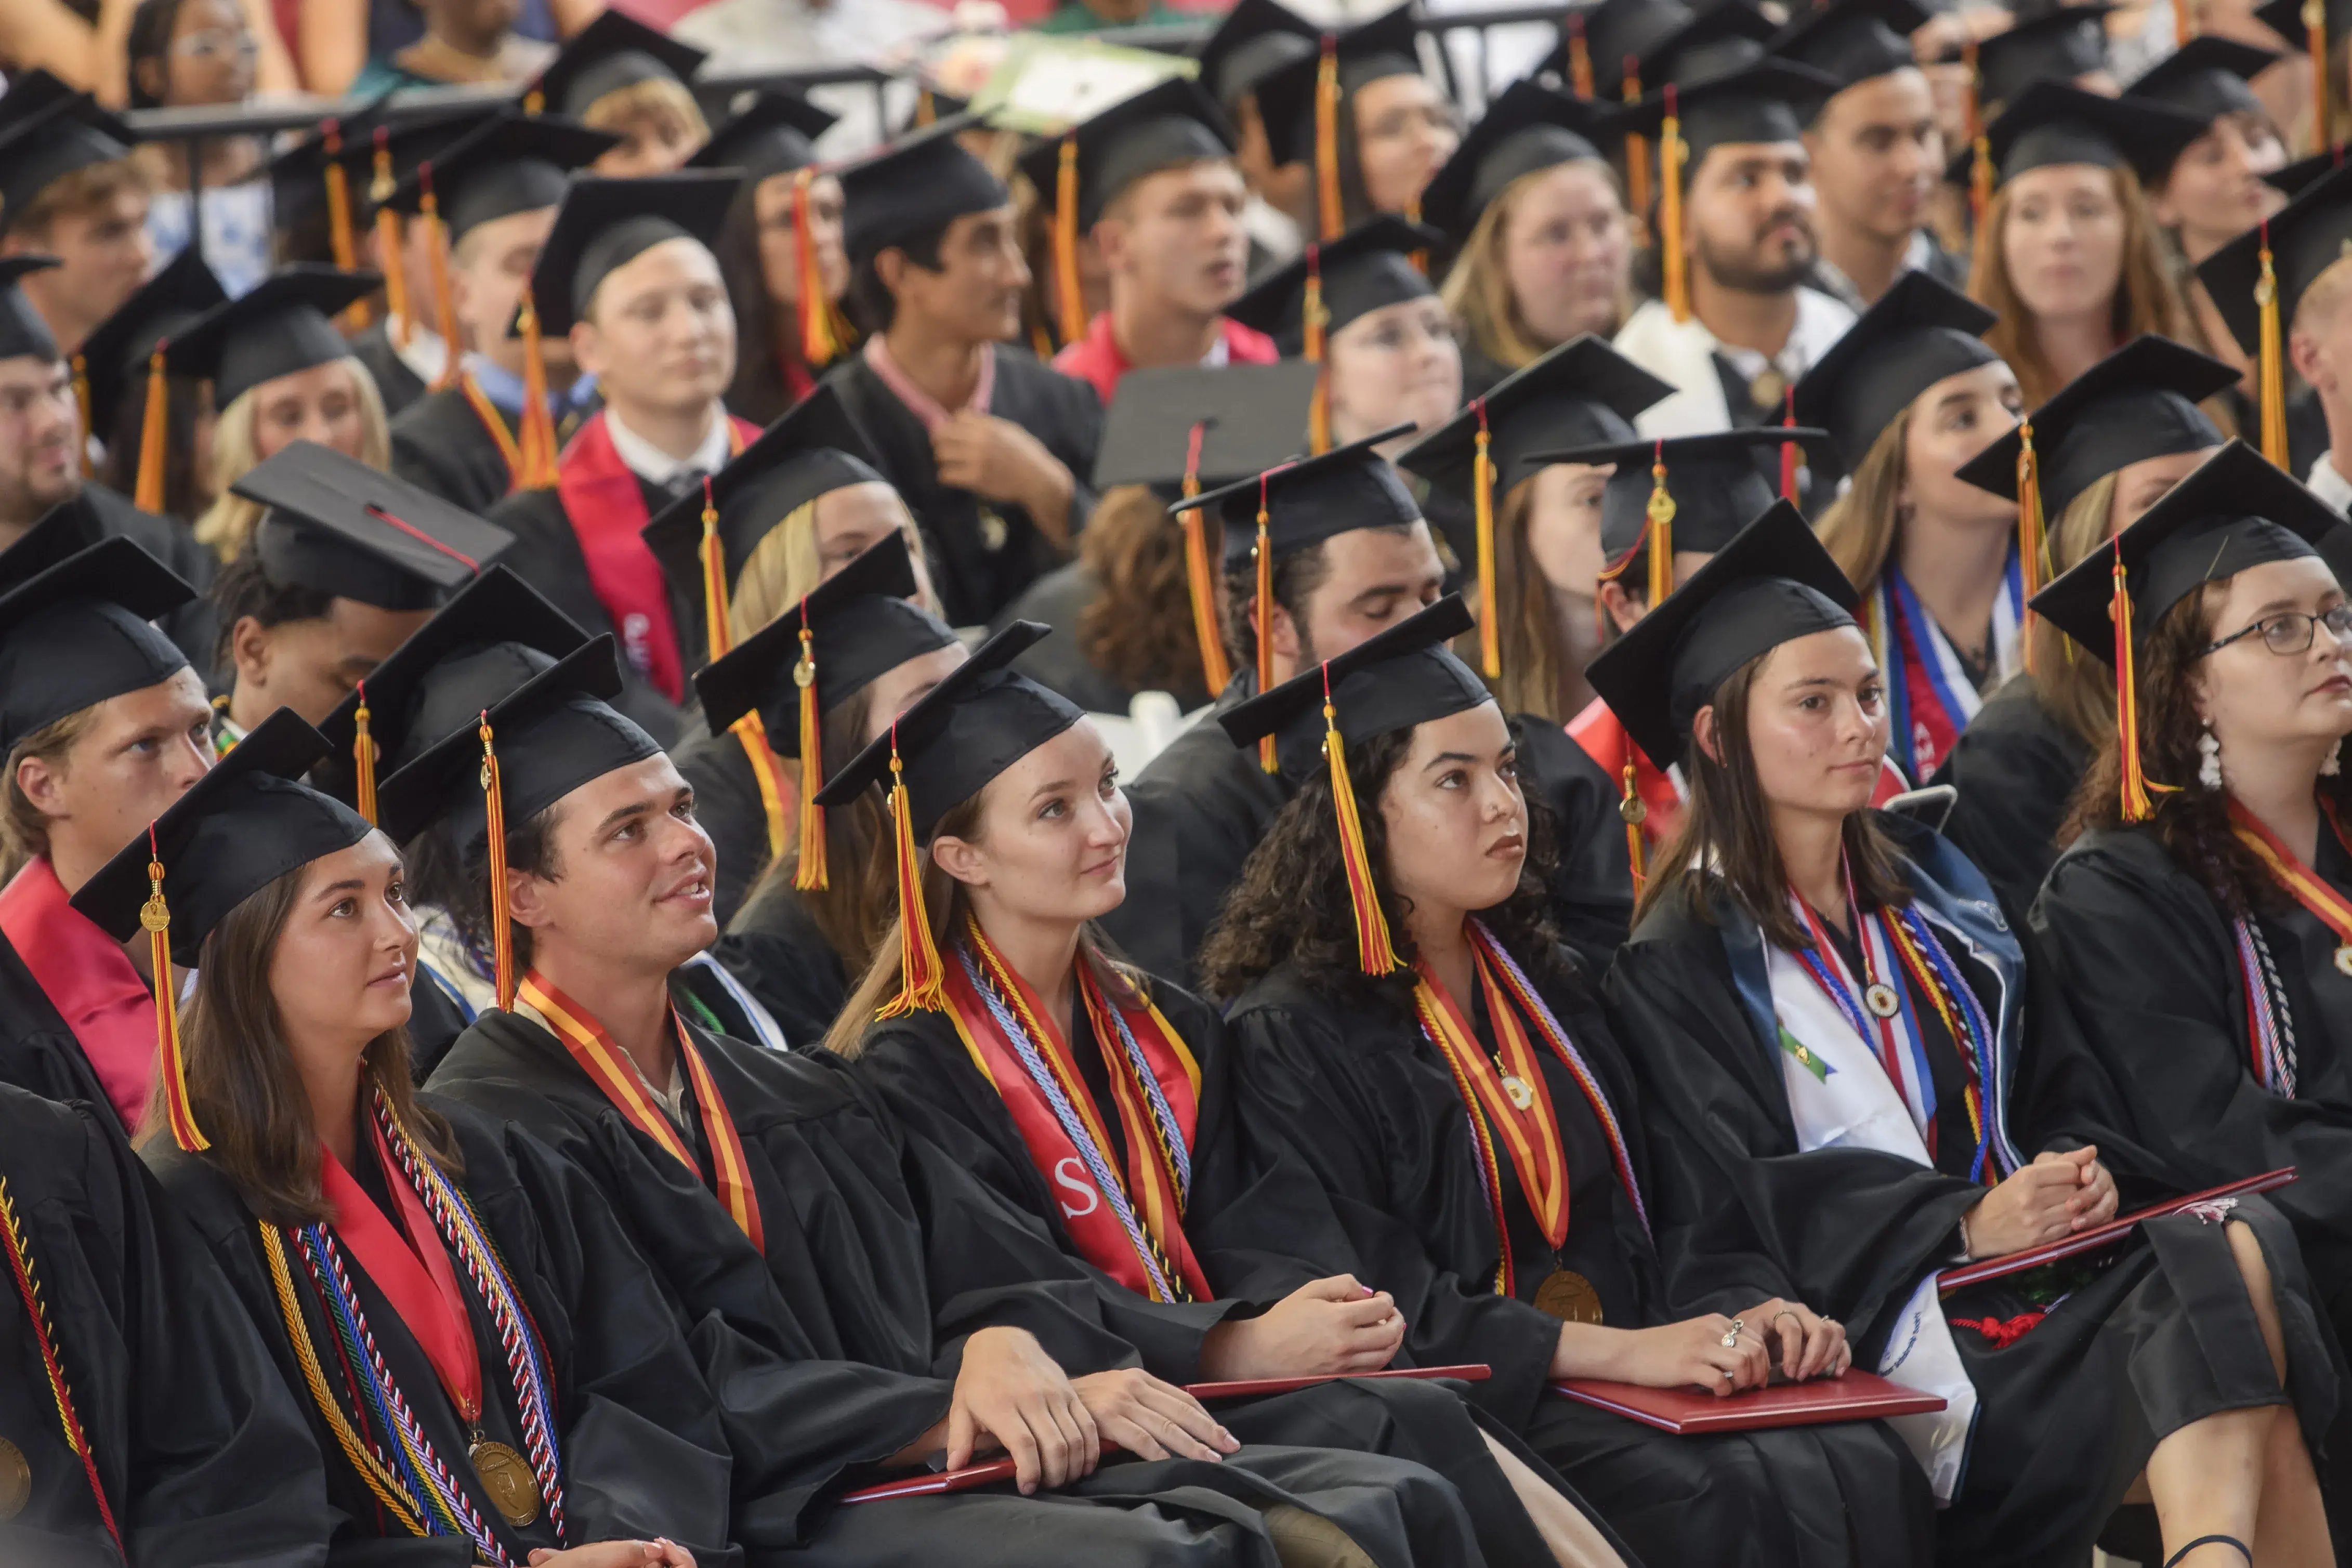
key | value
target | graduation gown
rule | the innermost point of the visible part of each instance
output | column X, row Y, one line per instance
column 2017, row 766
column 193, row 626
column 1356, row 1092
column 982, row 555
column 2154, row 1332
column 839, row 1344
column 439, row 443
column 777, row 951
column 639, row 1435
column 39, row 1052
column 1060, row 598
column 397, row 384
column 204, row 1458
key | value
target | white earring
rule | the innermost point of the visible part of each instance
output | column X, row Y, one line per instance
column 2334, row 763
column 2209, row 770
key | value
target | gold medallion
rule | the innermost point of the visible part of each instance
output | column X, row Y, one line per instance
column 1633, row 810
column 804, row 672
column 1768, row 389
column 2344, row 959
column 1882, row 1000
column 1570, row 1297
column 15, row 1481
column 1517, row 1088
column 506, row 1479
column 994, row 531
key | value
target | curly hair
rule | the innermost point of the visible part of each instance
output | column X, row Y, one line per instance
column 245, row 589
column 1138, row 630
column 1292, row 904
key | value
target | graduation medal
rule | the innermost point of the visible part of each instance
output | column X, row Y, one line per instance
column 1517, row 1088
column 15, row 1481
column 1768, row 387
column 1569, row 1296
column 506, row 1478
column 993, row 530
column 1882, row 1000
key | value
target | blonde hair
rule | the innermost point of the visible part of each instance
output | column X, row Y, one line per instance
column 1858, row 528
column 784, row 566
column 23, row 827
column 1538, row 662
column 1477, row 288
column 2146, row 300
column 656, row 96
column 229, row 523
column 2076, row 686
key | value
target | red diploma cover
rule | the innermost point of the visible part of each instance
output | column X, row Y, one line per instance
column 2100, row 1235
column 1856, row 1396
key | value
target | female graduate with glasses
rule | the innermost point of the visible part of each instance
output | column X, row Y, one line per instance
column 1409, row 1030
column 489, row 1370
column 1828, row 1012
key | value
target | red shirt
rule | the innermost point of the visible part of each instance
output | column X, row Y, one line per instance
column 1096, row 357
column 88, row 979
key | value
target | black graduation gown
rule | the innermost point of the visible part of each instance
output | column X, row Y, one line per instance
column 39, row 1052
column 1356, row 1092
column 841, row 1345
column 641, row 1445
column 924, row 1074
column 203, row 1455
column 975, row 583
column 439, row 443
column 191, row 626
column 1591, row 879
column 2156, row 1333
column 1059, row 598
column 776, row 949
column 2017, row 768
column 397, row 384
column 436, row 1020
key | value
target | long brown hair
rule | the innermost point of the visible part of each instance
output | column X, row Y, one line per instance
column 1858, row 528
column 1543, row 671
column 243, row 1087
column 857, row 903
column 1139, row 629
column 1727, row 839
column 1477, row 288
column 2145, row 299
column 2078, row 689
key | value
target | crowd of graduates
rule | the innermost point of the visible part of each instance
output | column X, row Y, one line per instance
column 582, row 982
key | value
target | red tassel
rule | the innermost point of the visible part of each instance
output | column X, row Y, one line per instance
column 2003, row 1333
column 1789, row 453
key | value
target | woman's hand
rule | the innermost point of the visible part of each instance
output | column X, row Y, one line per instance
column 1151, row 1419
column 1011, row 1391
column 1325, row 1328
column 656, row 1554
column 2046, row 1201
column 1675, row 1356
column 1807, row 1343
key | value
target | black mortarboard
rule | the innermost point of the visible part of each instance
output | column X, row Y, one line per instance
column 1714, row 40
column 513, row 163
column 284, row 324
column 2305, row 238
column 2285, row 17
column 1251, row 41
column 1613, row 32
column 603, row 224
column 915, row 186
column 1852, row 40
column 1529, row 127
column 612, row 52
column 2140, row 401
column 53, row 132
column 1368, row 267
column 75, row 608
column 233, row 831
column 1253, row 418
column 2206, row 77
column 337, row 527
column 1387, row 46
column 2054, row 122
column 1920, row 331
column 1713, row 480
column 1764, row 102
column 2067, row 42
column 1306, row 502
column 1581, row 393
column 814, row 448
column 298, row 176
column 2292, row 180
column 1773, row 583
column 115, row 356
column 1397, row 678
column 775, row 133
column 23, row 333
column 1170, row 123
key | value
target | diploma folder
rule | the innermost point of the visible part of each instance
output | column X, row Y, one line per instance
column 934, row 1483
column 2100, row 1235
column 1692, row 1411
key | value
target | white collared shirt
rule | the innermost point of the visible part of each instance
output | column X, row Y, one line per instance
column 657, row 467
column 1822, row 320
column 2329, row 485
column 427, row 353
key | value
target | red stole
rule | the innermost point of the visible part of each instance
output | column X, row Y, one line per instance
column 605, row 504
column 1096, row 357
column 1605, row 741
column 411, row 1267
column 89, row 980
column 1131, row 1228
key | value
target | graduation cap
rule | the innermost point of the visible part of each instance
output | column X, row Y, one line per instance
column 1584, row 392
column 1771, row 584
column 2054, row 122
column 336, row 525
column 2063, row 44
column 915, row 186
column 602, row 224
column 1394, row 680
column 1714, row 39
column 1329, row 285
column 1852, row 40
column 1299, row 102
column 136, row 341
column 1183, row 428
column 75, row 607
column 1251, row 41
column 23, row 333
column 496, row 632
column 342, row 169
column 511, row 760
column 2313, row 30
column 2257, row 282
column 2292, row 180
column 612, row 52
column 283, row 325
column 1530, row 128
column 247, row 823
column 1617, row 34
column 53, row 132
column 775, row 133
column 2237, row 510
column 2207, row 76
column 855, row 626
column 1920, row 331
column 814, row 449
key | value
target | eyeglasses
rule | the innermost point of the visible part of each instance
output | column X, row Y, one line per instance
column 2290, row 633
column 214, row 42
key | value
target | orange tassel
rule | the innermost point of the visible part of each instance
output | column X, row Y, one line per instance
column 342, row 244
column 822, row 332
column 2271, row 359
column 364, row 758
column 1674, row 268
column 1789, row 451
column 1660, row 532
column 1637, row 150
column 445, row 305
column 1482, row 498
column 387, row 240
column 170, row 1063
column 1374, row 951
column 1329, row 211
column 811, row 873
column 535, row 436
column 1633, row 812
column 1319, row 407
column 1419, row 258
column 81, row 405
column 2136, row 785
column 1070, row 299
column 2315, row 35
column 2033, row 537
column 926, row 108
column 154, row 427
column 1263, row 554
column 1580, row 58
column 1214, row 669
column 714, row 576
column 752, row 733
column 921, row 976
column 501, row 927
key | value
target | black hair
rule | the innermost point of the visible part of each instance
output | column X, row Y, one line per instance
column 149, row 38
column 760, row 391
column 244, row 588
column 872, row 305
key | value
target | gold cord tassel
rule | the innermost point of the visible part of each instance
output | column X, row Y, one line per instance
column 2033, row 537
column 1375, row 953
column 170, row 1064
column 342, row 242
column 1214, row 669
column 445, row 305
column 1637, row 151
column 1580, row 58
column 535, row 438
column 501, row 925
column 921, row 976
column 823, row 333
column 1070, row 299
column 1482, row 496
column 387, row 240
column 81, row 405
column 1262, row 553
column 1660, row 517
column 713, row 553
column 1331, row 213
column 1674, row 268
column 154, row 427
column 2271, row 360
column 811, row 873
column 1634, row 812
column 1312, row 318
column 364, row 758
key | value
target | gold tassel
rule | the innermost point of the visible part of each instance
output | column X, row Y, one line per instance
column 2134, row 803
column 1312, row 318
column 342, row 242
column 535, row 435
column 1633, row 810
column 1214, row 669
column 1660, row 516
column 364, row 758
column 921, row 976
column 1262, row 553
column 81, row 405
column 170, row 1063
column 1331, row 213
column 2033, row 537
column 387, row 240
column 823, row 333
column 445, row 305
column 713, row 551
column 2270, row 359
column 1637, row 153
column 154, row 427
column 1482, row 498
column 926, row 108
column 1375, row 953
column 1419, row 258
column 501, row 926
column 811, row 873
column 1673, row 267
column 1070, row 299
column 1580, row 58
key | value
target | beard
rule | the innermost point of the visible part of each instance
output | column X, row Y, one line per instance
column 1762, row 267
column 25, row 501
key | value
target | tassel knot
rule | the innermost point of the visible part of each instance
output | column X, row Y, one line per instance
column 1658, row 530
column 363, row 758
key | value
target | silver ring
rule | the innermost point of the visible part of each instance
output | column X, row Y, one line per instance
column 1732, row 1336
column 1727, row 1376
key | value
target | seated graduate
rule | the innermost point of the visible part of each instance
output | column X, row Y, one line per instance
column 619, row 74
column 988, row 446
column 2197, row 925
column 2106, row 449
column 1389, row 131
column 103, row 724
column 999, row 1030
column 1908, row 395
column 126, row 365
column 1141, row 608
column 505, row 408
column 1389, row 961
column 511, row 1380
column 1829, row 1020
column 812, row 919
column 71, row 187
column 780, row 251
column 627, row 274
column 1318, row 555
column 143, row 1421
column 794, row 508
column 344, row 566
